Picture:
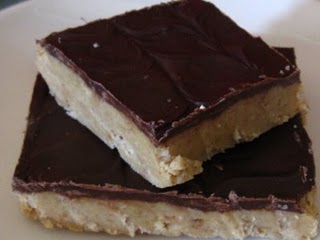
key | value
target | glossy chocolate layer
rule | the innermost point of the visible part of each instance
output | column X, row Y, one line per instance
column 159, row 65
column 61, row 155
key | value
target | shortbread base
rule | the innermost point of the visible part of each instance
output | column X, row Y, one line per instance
column 131, row 217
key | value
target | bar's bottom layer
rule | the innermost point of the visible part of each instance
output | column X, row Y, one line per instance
column 131, row 217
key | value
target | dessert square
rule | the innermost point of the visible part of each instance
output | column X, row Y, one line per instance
column 68, row 178
column 170, row 86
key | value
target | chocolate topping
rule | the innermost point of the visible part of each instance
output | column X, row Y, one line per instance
column 169, row 66
column 60, row 155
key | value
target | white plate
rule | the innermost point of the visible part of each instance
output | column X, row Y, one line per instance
column 283, row 23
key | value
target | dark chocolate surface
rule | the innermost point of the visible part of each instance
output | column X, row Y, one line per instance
column 61, row 155
column 160, row 64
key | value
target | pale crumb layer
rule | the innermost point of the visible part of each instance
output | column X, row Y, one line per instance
column 130, row 217
column 179, row 158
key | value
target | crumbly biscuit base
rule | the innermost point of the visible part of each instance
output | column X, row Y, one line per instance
column 131, row 217
column 180, row 157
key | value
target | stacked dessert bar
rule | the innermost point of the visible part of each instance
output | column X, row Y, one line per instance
column 186, row 124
